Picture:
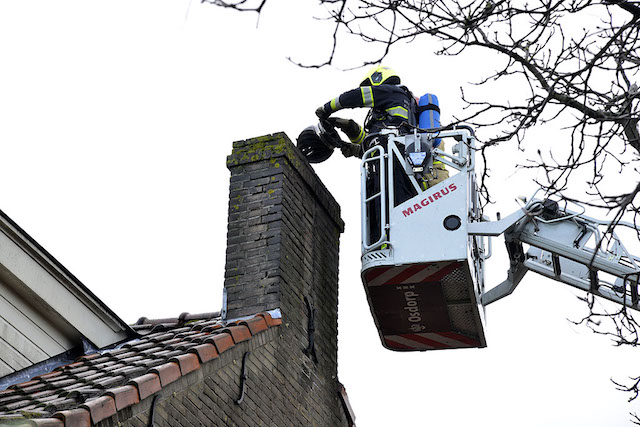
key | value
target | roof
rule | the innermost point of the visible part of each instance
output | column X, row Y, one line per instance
column 98, row 385
column 46, row 310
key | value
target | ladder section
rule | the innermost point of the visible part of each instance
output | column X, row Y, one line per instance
column 374, row 208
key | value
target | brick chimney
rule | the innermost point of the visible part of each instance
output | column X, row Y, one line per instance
column 282, row 252
column 283, row 231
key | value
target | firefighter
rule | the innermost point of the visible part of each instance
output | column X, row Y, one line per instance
column 392, row 105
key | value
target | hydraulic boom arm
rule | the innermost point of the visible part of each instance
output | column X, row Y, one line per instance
column 566, row 246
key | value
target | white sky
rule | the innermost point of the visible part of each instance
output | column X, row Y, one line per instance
column 115, row 122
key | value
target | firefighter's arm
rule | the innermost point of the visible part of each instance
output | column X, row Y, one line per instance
column 355, row 98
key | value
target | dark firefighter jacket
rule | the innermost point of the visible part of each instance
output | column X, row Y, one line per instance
column 391, row 105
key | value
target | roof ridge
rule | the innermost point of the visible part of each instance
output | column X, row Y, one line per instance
column 183, row 317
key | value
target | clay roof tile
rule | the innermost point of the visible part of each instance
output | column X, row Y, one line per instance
column 146, row 384
column 255, row 324
column 74, row 417
column 124, row 396
column 187, row 362
column 222, row 341
column 270, row 320
column 168, row 373
column 100, row 408
column 238, row 333
column 205, row 352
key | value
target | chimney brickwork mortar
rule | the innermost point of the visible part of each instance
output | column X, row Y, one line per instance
column 283, row 224
column 282, row 251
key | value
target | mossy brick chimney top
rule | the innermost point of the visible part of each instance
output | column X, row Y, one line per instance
column 283, row 232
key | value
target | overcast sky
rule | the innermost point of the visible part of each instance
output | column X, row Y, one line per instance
column 115, row 121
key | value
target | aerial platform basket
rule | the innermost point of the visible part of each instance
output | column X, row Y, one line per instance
column 422, row 271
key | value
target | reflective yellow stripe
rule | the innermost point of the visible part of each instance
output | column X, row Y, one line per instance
column 367, row 96
column 335, row 104
column 359, row 138
column 398, row 111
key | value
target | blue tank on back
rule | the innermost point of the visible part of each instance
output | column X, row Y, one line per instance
column 429, row 117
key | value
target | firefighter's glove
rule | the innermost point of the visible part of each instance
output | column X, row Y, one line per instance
column 348, row 126
column 321, row 113
column 342, row 124
column 350, row 150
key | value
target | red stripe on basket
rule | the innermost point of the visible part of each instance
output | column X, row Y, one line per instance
column 438, row 275
column 425, row 340
column 398, row 345
column 414, row 269
column 372, row 274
